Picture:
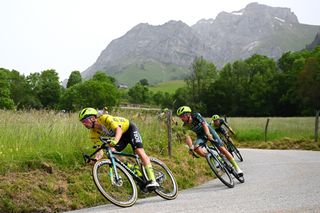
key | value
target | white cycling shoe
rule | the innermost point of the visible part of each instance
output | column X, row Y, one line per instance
column 153, row 184
column 239, row 172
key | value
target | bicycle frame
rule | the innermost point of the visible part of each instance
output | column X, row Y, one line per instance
column 140, row 180
column 111, row 155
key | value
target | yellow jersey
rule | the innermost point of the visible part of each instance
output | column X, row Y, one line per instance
column 111, row 123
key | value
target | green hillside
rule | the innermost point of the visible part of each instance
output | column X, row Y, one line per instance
column 152, row 71
column 168, row 86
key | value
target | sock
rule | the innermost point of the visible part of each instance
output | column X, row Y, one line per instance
column 234, row 163
column 150, row 172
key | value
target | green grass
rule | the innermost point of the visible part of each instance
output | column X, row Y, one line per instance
column 168, row 86
column 154, row 72
column 250, row 129
column 42, row 169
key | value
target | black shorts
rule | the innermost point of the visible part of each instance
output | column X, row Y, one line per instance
column 131, row 136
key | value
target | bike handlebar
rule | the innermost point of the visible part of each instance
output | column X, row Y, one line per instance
column 105, row 141
column 87, row 158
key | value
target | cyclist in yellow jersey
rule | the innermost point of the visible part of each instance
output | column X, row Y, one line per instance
column 122, row 130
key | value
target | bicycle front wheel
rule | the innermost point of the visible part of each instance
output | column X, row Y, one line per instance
column 220, row 170
column 121, row 192
column 168, row 187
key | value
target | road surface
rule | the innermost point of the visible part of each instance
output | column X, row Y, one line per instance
column 276, row 181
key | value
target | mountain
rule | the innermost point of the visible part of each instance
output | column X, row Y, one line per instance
column 314, row 43
column 165, row 52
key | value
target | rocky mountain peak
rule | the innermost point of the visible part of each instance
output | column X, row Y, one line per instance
column 256, row 10
column 315, row 42
column 169, row 49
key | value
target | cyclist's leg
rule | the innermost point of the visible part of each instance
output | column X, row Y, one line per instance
column 224, row 151
column 146, row 162
column 136, row 143
column 198, row 149
column 147, row 165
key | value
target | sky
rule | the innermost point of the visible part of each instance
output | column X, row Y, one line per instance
column 69, row 35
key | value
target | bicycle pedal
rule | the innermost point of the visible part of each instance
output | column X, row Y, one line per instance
column 144, row 190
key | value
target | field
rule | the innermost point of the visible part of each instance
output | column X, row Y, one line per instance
column 42, row 169
column 300, row 128
column 168, row 86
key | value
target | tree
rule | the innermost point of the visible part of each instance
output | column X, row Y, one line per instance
column 49, row 89
column 74, row 78
column 163, row 99
column 139, row 94
column 243, row 88
column 5, row 101
column 91, row 93
column 286, row 84
column 21, row 92
column 227, row 95
column 33, row 81
column 261, row 73
column 181, row 97
column 309, row 85
column 203, row 74
column 103, row 77
column 144, row 82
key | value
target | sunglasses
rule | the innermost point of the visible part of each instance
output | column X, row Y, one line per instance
column 86, row 120
column 183, row 115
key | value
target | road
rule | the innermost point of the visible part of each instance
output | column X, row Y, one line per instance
column 276, row 181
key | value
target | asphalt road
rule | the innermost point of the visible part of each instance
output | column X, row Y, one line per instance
column 276, row 181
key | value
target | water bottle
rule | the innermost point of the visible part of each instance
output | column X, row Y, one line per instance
column 137, row 171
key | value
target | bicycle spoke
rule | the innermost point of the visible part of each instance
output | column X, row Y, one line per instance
column 121, row 191
column 168, row 188
column 220, row 171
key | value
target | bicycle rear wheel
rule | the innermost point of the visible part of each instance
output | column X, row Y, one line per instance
column 232, row 170
column 122, row 192
column 234, row 150
column 220, row 170
column 168, row 187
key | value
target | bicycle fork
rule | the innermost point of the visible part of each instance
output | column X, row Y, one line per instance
column 113, row 173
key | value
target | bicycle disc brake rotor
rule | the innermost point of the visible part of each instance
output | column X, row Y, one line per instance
column 160, row 177
column 116, row 182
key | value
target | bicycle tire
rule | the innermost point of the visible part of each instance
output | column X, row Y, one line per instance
column 168, row 187
column 232, row 171
column 234, row 150
column 121, row 193
column 239, row 178
column 220, row 171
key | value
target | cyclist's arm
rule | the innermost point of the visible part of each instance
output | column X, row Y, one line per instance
column 190, row 145
column 94, row 136
column 117, row 136
column 207, row 131
column 189, row 141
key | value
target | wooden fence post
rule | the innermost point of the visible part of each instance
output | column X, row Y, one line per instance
column 169, row 128
column 316, row 127
column 266, row 130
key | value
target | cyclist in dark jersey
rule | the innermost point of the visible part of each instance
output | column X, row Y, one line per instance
column 195, row 122
column 218, row 123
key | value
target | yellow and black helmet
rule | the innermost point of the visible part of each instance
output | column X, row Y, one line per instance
column 86, row 112
column 183, row 109
column 215, row 117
